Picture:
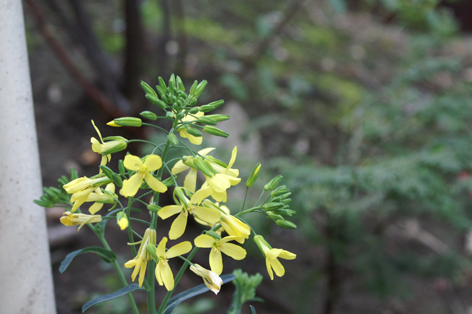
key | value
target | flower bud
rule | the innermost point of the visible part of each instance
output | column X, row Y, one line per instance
column 170, row 115
column 254, row 175
column 215, row 131
column 218, row 117
column 180, row 84
column 286, row 224
column 194, row 110
column 149, row 115
column 121, row 167
column 122, row 220
column 117, row 180
column 217, row 103
column 274, row 217
column 206, row 108
column 273, row 183
column 206, row 120
column 200, row 87
column 148, row 89
column 172, row 86
column 272, row 206
column 126, row 121
column 107, row 171
column 194, row 131
column 172, row 139
column 202, row 166
column 194, row 87
column 213, row 234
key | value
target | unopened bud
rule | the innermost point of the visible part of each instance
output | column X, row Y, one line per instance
column 172, row 139
column 286, row 224
column 215, row 131
column 122, row 220
column 153, row 208
column 273, row 183
column 217, row 103
column 148, row 89
column 200, row 87
column 206, row 120
column 126, row 121
column 218, row 117
column 148, row 115
column 206, row 108
column 254, row 175
column 194, row 131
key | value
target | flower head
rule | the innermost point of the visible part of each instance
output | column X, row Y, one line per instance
column 271, row 256
column 80, row 189
column 140, row 261
column 187, row 207
column 190, row 182
column 217, row 246
column 74, row 219
column 163, row 272
column 211, row 279
column 107, row 148
column 101, row 197
column 197, row 140
column 143, row 172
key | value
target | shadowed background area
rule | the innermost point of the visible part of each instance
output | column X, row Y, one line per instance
column 363, row 106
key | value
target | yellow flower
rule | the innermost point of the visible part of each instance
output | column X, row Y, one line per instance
column 206, row 214
column 140, row 261
column 72, row 219
column 163, row 272
column 271, row 255
column 211, row 279
column 143, row 172
column 220, row 230
column 122, row 220
column 107, row 148
column 218, row 246
column 100, row 197
column 80, row 189
column 235, row 227
column 197, row 140
column 190, row 182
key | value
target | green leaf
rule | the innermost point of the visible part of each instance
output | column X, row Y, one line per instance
column 190, row 293
column 253, row 310
column 106, row 255
column 107, row 297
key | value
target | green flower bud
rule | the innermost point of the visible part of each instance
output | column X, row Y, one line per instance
column 286, row 201
column 200, row 87
column 107, row 171
column 170, row 115
column 173, row 139
column 148, row 89
column 286, row 224
column 272, row 206
column 273, row 183
column 127, row 121
column 254, row 175
column 153, row 208
column 194, row 87
column 172, row 86
column 274, row 217
column 218, row 117
column 281, row 190
column 162, row 84
column 206, row 120
column 117, row 180
column 207, row 108
column 148, row 115
column 180, row 84
column 215, row 131
column 260, row 242
column 151, row 249
column 194, row 131
column 193, row 102
column 203, row 167
column 169, row 181
column 162, row 92
column 121, row 167
column 194, row 110
column 217, row 103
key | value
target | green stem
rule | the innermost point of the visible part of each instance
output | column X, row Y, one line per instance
column 120, row 274
column 177, row 279
column 245, row 197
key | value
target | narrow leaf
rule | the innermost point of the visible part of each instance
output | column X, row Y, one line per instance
column 190, row 293
column 106, row 255
column 253, row 310
column 107, row 297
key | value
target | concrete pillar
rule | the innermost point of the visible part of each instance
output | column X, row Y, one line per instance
column 25, row 268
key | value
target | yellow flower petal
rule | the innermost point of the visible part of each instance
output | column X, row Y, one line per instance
column 131, row 186
column 206, row 214
column 167, row 211
column 277, row 266
column 287, row 255
column 216, row 261
column 177, row 228
column 158, row 273
column 190, row 181
column 167, row 277
column 161, row 249
column 95, row 208
column 154, row 184
column 204, row 241
column 142, row 274
column 153, row 162
column 179, row 167
column 233, row 157
column 132, row 162
column 200, row 195
column 179, row 249
column 269, row 269
column 233, row 250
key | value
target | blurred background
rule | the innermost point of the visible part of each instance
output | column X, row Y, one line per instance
column 364, row 106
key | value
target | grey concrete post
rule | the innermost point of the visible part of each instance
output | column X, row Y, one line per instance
column 25, row 267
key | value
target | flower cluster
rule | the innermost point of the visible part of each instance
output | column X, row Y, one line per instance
column 140, row 180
